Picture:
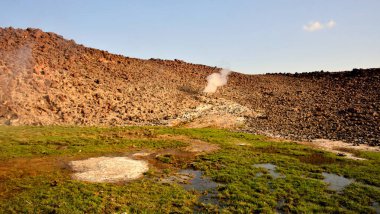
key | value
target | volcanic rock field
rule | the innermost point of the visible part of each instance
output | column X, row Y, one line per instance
column 48, row 80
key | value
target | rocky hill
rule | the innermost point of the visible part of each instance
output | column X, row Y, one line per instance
column 48, row 80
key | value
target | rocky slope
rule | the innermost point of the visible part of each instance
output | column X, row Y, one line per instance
column 46, row 79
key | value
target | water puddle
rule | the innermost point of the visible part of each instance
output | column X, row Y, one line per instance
column 259, row 174
column 376, row 206
column 202, row 184
column 194, row 180
column 271, row 168
column 336, row 182
column 280, row 205
column 198, row 181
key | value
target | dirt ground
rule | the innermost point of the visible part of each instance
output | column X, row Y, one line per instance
column 341, row 148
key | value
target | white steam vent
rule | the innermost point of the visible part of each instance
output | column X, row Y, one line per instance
column 216, row 80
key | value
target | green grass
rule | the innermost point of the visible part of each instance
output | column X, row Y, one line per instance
column 301, row 189
column 55, row 140
column 38, row 195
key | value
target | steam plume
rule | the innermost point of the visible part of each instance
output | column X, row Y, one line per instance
column 216, row 80
column 17, row 62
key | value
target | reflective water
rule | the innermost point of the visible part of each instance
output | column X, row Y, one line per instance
column 202, row 184
column 271, row 169
column 280, row 204
column 336, row 182
column 376, row 206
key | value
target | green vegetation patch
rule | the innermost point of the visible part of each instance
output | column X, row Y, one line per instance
column 243, row 187
column 54, row 194
column 55, row 140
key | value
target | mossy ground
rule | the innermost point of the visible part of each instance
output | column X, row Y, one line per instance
column 48, row 188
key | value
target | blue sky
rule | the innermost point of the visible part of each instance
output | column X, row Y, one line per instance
column 248, row 36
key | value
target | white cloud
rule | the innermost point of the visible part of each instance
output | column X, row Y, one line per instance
column 313, row 26
column 331, row 24
column 316, row 26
